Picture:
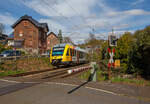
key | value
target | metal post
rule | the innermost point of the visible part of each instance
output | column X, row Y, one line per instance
column 109, row 72
column 93, row 71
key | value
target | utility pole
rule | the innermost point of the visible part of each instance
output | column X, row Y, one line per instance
column 60, row 36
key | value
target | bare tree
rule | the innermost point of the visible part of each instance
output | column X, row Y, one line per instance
column 67, row 40
column 92, row 36
column 2, row 28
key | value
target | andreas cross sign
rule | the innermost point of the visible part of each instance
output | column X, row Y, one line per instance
column 111, row 61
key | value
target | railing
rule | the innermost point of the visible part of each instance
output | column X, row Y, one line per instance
column 2, row 59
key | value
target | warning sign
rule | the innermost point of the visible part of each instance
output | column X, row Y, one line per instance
column 111, row 61
column 117, row 63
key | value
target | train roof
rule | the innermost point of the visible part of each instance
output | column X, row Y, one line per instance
column 81, row 50
column 76, row 48
column 60, row 45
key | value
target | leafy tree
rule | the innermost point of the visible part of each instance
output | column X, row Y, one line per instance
column 139, row 56
column 94, row 45
column 2, row 48
column 92, row 41
column 104, row 47
column 124, row 44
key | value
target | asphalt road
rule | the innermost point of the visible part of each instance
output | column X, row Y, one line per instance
column 57, row 93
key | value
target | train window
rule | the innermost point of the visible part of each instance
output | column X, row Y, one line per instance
column 81, row 55
column 75, row 52
column 70, row 52
column 57, row 51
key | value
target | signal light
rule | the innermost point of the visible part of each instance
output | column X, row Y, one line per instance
column 112, row 40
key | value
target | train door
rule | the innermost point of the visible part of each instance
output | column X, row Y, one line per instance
column 71, row 54
column 74, row 56
column 68, row 55
column 77, row 57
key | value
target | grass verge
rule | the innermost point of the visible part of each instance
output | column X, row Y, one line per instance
column 10, row 72
column 128, row 81
column 28, row 64
column 103, row 76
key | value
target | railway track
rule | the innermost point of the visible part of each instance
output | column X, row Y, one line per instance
column 49, row 73
column 61, row 73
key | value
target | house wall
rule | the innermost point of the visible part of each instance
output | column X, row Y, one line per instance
column 42, row 40
column 32, row 36
column 51, row 41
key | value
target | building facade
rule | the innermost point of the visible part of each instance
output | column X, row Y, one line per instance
column 30, row 35
column 52, row 39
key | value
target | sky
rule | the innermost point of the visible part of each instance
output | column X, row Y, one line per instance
column 78, row 18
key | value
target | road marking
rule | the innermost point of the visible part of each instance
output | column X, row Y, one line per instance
column 5, row 80
column 74, row 85
column 65, row 84
column 109, row 92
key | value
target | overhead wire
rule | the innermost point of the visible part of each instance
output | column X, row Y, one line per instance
column 66, row 18
column 50, row 24
column 82, row 18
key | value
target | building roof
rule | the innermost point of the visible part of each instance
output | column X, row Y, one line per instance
column 36, row 23
column 52, row 33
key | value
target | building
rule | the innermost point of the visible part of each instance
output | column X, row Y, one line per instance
column 10, row 40
column 3, row 39
column 52, row 39
column 30, row 35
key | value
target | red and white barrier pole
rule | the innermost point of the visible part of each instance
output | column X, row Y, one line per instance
column 79, row 69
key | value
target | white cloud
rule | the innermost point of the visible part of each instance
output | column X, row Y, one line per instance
column 78, row 37
column 132, row 12
column 40, row 7
column 61, row 7
column 137, row 12
column 7, row 19
column 137, row 2
column 82, row 8
column 106, row 18
column 53, row 25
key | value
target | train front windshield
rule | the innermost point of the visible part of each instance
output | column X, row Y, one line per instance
column 58, row 51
